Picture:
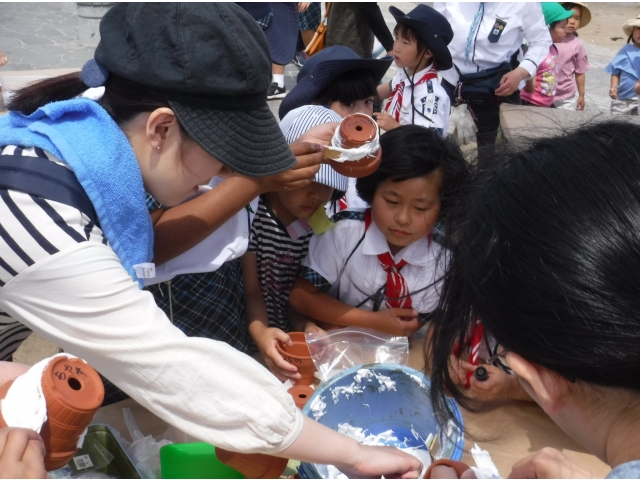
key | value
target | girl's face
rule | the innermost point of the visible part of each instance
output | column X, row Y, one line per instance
column 407, row 211
column 574, row 21
column 302, row 202
column 406, row 55
column 558, row 32
column 359, row 106
column 636, row 36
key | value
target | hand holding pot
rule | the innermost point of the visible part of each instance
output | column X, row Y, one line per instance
column 21, row 454
column 266, row 343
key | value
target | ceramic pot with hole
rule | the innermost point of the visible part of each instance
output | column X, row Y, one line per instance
column 300, row 394
column 73, row 393
column 356, row 130
column 298, row 355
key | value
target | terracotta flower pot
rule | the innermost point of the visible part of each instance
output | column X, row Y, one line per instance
column 253, row 465
column 300, row 394
column 356, row 130
column 73, row 393
column 298, row 354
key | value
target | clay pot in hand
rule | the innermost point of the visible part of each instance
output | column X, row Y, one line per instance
column 300, row 394
column 356, row 130
column 73, row 393
column 298, row 355
column 253, row 465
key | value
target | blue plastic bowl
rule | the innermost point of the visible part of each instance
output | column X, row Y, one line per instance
column 365, row 400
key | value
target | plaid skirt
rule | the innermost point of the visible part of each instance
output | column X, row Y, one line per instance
column 310, row 19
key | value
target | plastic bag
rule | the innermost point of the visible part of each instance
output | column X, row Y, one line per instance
column 86, row 464
column 337, row 350
column 143, row 451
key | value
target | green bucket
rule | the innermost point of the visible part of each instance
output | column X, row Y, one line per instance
column 193, row 460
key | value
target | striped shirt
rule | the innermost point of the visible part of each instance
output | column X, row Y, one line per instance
column 31, row 229
column 278, row 257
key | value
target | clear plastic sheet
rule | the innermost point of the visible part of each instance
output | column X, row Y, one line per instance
column 336, row 350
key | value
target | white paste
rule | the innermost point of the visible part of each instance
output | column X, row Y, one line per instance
column 419, row 381
column 346, row 391
column 24, row 405
column 354, row 154
column 318, row 407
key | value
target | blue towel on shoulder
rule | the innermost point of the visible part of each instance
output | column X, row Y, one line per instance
column 83, row 135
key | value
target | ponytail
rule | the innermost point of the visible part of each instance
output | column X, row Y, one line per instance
column 30, row 98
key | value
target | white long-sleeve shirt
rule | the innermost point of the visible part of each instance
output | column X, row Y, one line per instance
column 523, row 21
column 60, row 278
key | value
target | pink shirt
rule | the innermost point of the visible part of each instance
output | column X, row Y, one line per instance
column 572, row 59
column 545, row 89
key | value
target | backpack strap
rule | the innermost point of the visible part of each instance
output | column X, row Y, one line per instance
column 46, row 179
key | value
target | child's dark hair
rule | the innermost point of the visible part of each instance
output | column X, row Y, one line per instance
column 349, row 87
column 571, row 6
column 122, row 99
column 549, row 258
column 403, row 30
column 552, row 25
column 411, row 151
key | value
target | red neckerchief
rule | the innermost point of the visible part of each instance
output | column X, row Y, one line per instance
column 396, row 95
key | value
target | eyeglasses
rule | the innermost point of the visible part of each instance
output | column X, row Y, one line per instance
column 498, row 360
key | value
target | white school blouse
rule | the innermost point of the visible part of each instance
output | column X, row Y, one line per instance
column 523, row 20
column 227, row 243
column 362, row 275
column 429, row 99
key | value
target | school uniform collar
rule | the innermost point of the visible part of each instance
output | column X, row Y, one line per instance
column 404, row 78
column 375, row 243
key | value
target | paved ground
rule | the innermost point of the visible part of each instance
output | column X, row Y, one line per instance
column 52, row 35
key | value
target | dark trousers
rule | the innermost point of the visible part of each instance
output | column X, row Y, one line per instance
column 487, row 120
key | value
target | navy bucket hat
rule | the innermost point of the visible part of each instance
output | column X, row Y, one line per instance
column 279, row 23
column 323, row 68
column 432, row 28
column 211, row 61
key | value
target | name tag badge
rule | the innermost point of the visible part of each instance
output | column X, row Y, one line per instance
column 496, row 30
column 145, row 270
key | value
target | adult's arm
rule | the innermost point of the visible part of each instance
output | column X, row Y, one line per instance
column 373, row 16
column 82, row 299
column 537, row 35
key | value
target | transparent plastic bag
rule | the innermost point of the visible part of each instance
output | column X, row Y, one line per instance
column 336, row 350
column 143, row 451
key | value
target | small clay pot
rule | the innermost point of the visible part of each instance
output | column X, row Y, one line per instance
column 300, row 394
column 253, row 465
column 298, row 355
column 73, row 393
column 356, row 130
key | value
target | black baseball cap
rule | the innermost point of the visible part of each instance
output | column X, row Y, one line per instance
column 212, row 62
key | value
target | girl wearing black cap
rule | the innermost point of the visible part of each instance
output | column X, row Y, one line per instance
column 77, row 240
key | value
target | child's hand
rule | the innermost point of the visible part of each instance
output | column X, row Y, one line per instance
column 613, row 93
column 311, row 327
column 580, row 103
column 549, row 463
column 21, row 454
column 398, row 321
column 385, row 121
column 266, row 343
column 3, row 59
column 636, row 88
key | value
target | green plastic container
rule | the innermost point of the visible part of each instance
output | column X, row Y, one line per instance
column 193, row 460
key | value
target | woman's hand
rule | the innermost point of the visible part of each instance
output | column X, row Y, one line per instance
column 303, row 6
column 309, row 156
column 372, row 462
column 21, row 454
column 266, row 342
column 385, row 121
column 549, row 463
column 320, row 134
column 613, row 93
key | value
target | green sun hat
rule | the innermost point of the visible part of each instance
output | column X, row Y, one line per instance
column 554, row 12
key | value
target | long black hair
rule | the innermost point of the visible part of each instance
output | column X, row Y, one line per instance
column 411, row 151
column 548, row 258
